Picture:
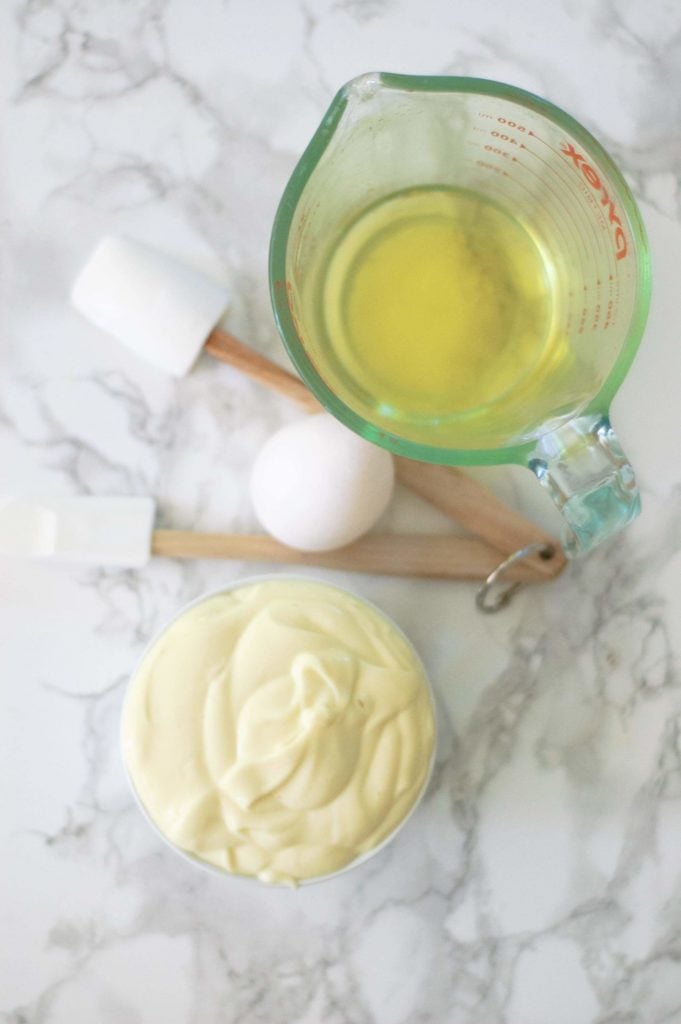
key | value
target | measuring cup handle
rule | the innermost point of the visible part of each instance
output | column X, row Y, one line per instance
column 582, row 466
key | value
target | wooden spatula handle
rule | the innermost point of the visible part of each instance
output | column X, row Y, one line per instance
column 230, row 350
column 478, row 510
column 443, row 557
column 455, row 493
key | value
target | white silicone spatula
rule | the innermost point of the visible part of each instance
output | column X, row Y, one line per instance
column 120, row 532
column 161, row 309
column 98, row 531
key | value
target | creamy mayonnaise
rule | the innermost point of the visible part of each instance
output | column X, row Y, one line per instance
column 280, row 729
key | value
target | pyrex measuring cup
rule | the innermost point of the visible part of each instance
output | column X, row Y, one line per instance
column 386, row 134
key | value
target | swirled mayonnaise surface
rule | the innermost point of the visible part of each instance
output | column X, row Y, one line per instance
column 280, row 729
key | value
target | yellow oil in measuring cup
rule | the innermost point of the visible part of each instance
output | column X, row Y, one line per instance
column 436, row 300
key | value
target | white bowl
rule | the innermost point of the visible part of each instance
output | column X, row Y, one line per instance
column 214, row 868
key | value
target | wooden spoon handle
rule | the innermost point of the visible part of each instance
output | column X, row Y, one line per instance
column 433, row 556
column 447, row 488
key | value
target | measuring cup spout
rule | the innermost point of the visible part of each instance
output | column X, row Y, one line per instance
column 584, row 469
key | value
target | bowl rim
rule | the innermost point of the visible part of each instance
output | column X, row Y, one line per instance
column 225, row 588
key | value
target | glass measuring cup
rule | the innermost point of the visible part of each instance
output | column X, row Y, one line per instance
column 387, row 135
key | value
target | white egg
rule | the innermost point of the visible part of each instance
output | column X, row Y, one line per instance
column 317, row 486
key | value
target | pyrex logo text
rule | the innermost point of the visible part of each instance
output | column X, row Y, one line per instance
column 587, row 170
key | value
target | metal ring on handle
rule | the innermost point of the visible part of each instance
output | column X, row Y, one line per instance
column 545, row 551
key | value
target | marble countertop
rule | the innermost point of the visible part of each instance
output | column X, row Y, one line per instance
column 540, row 880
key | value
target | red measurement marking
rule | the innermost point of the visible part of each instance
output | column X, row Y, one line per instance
column 512, row 124
column 498, row 152
column 591, row 200
column 559, row 153
column 568, row 183
column 559, row 225
column 503, row 137
column 490, row 149
column 568, row 150
column 559, row 202
column 492, row 167
column 543, row 142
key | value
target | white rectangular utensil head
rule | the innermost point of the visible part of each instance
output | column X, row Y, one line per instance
column 97, row 531
column 156, row 306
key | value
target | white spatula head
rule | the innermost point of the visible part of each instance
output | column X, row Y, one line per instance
column 154, row 305
column 97, row 531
